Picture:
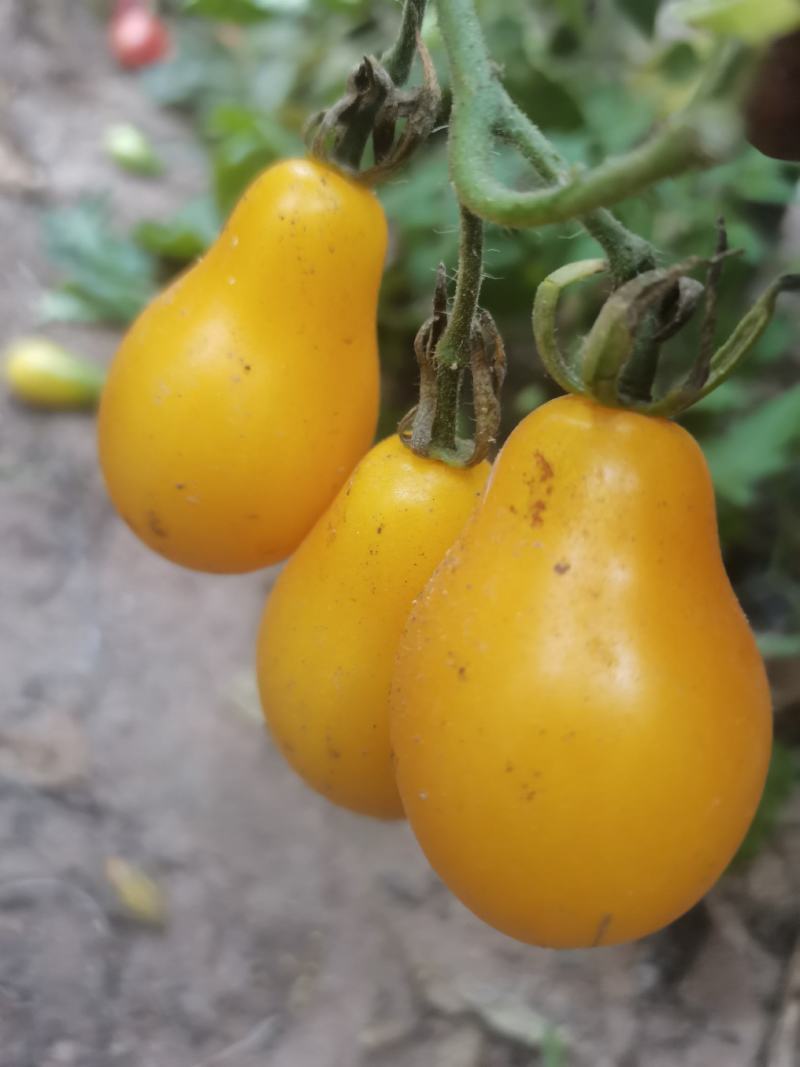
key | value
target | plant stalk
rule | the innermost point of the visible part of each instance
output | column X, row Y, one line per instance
column 706, row 132
column 454, row 351
column 398, row 60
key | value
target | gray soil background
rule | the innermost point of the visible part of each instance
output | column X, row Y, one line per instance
column 295, row 935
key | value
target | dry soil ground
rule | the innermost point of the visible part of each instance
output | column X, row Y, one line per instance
column 296, row 935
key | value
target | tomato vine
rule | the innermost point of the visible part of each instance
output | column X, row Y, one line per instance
column 619, row 361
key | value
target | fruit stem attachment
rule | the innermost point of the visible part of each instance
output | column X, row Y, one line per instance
column 450, row 346
column 453, row 352
column 374, row 103
column 626, row 330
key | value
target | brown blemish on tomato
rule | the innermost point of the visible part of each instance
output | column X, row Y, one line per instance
column 546, row 471
column 602, row 928
column 562, row 567
column 462, row 673
column 509, row 767
column 538, row 487
column 379, row 529
column 155, row 525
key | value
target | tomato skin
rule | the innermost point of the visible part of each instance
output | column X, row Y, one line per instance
column 580, row 715
column 332, row 622
column 244, row 395
column 137, row 37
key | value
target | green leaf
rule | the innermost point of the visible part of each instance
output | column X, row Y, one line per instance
column 754, row 447
column 783, row 775
column 756, row 179
column 547, row 100
column 61, row 305
column 619, row 116
column 242, row 10
column 642, row 12
column 200, row 72
column 751, row 21
column 575, row 14
column 679, row 61
column 109, row 278
column 183, row 237
column 778, row 646
column 732, row 395
column 245, row 142
column 775, row 344
column 527, row 399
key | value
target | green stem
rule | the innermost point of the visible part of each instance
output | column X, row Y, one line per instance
column 674, row 150
column 545, row 320
column 454, row 351
column 371, row 83
column 372, row 91
column 483, row 109
column 398, row 60
column 705, row 132
column 627, row 253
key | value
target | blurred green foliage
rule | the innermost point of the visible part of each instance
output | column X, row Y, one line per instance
column 596, row 76
column 783, row 776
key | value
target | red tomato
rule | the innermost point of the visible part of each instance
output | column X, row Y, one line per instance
column 137, row 36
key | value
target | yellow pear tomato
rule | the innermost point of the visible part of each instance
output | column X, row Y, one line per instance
column 333, row 620
column 580, row 715
column 244, row 395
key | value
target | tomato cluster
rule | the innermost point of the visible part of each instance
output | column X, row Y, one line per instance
column 542, row 664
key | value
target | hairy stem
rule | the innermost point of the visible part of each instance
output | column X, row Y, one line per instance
column 454, row 351
column 482, row 110
column 627, row 253
column 397, row 61
column 704, row 133
column 674, row 150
